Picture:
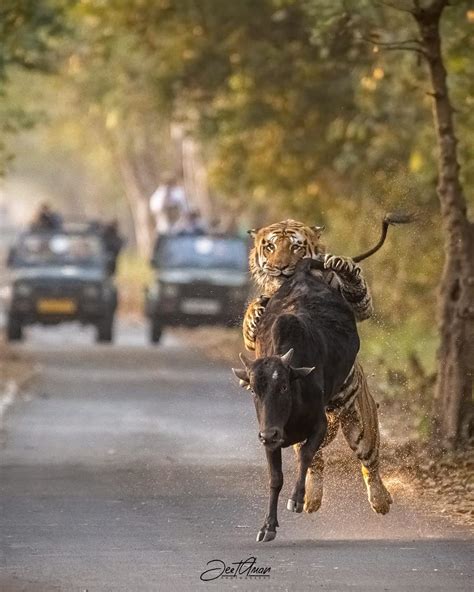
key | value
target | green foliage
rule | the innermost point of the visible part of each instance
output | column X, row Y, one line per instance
column 301, row 107
column 30, row 31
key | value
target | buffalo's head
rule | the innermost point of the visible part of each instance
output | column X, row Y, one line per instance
column 271, row 381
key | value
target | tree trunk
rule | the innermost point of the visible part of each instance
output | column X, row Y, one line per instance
column 138, row 201
column 195, row 178
column 453, row 392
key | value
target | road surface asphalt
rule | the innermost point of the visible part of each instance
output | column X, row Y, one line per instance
column 129, row 468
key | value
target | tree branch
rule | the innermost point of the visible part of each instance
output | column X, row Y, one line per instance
column 399, row 8
column 404, row 47
column 398, row 45
column 432, row 10
column 389, row 43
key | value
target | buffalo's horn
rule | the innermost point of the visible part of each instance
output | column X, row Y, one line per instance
column 286, row 358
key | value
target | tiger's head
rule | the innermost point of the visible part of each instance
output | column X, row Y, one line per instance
column 278, row 248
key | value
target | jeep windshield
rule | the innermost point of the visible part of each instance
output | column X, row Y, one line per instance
column 201, row 252
column 59, row 249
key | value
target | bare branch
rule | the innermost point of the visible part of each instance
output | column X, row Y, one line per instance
column 406, row 48
column 399, row 8
column 434, row 9
column 398, row 45
column 389, row 43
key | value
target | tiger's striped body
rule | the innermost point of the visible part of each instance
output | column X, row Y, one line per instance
column 277, row 249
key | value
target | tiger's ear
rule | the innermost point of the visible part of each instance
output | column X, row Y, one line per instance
column 253, row 232
column 318, row 230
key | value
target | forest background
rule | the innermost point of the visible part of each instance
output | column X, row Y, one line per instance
column 319, row 110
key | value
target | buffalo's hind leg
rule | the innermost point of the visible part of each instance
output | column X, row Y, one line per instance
column 359, row 423
column 314, row 476
column 268, row 530
column 306, row 454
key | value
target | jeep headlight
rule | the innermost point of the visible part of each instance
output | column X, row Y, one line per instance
column 91, row 291
column 23, row 290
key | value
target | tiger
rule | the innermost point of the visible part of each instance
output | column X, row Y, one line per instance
column 276, row 251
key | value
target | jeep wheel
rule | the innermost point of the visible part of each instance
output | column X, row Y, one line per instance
column 156, row 331
column 105, row 330
column 14, row 329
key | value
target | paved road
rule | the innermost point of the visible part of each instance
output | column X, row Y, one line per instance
column 129, row 468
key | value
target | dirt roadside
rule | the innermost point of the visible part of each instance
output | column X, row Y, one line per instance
column 15, row 373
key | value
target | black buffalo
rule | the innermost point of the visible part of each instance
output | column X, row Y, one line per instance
column 306, row 345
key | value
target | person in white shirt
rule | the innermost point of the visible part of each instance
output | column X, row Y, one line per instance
column 169, row 204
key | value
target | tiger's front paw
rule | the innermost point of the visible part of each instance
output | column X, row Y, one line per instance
column 341, row 264
column 252, row 318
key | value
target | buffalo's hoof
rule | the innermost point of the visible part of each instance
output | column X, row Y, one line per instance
column 294, row 506
column 264, row 536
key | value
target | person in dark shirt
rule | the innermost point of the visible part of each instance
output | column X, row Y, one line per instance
column 113, row 243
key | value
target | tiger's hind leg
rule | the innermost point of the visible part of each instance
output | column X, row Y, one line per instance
column 314, row 476
column 360, row 426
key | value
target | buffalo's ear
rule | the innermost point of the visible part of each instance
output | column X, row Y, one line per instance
column 300, row 372
column 242, row 376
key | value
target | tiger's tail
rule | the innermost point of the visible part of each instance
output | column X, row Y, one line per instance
column 390, row 219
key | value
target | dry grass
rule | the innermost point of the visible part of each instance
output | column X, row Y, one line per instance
column 442, row 481
column 13, row 366
column 133, row 275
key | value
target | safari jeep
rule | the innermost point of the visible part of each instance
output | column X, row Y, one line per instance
column 60, row 276
column 199, row 280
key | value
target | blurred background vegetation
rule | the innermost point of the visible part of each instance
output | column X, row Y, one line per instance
column 274, row 109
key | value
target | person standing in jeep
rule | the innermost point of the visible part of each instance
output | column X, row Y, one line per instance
column 113, row 244
column 169, row 204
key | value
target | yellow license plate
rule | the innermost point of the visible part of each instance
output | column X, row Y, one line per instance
column 56, row 306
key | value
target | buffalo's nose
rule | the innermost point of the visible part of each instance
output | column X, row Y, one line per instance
column 268, row 436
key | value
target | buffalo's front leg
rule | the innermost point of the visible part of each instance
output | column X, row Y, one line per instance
column 306, row 453
column 268, row 530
